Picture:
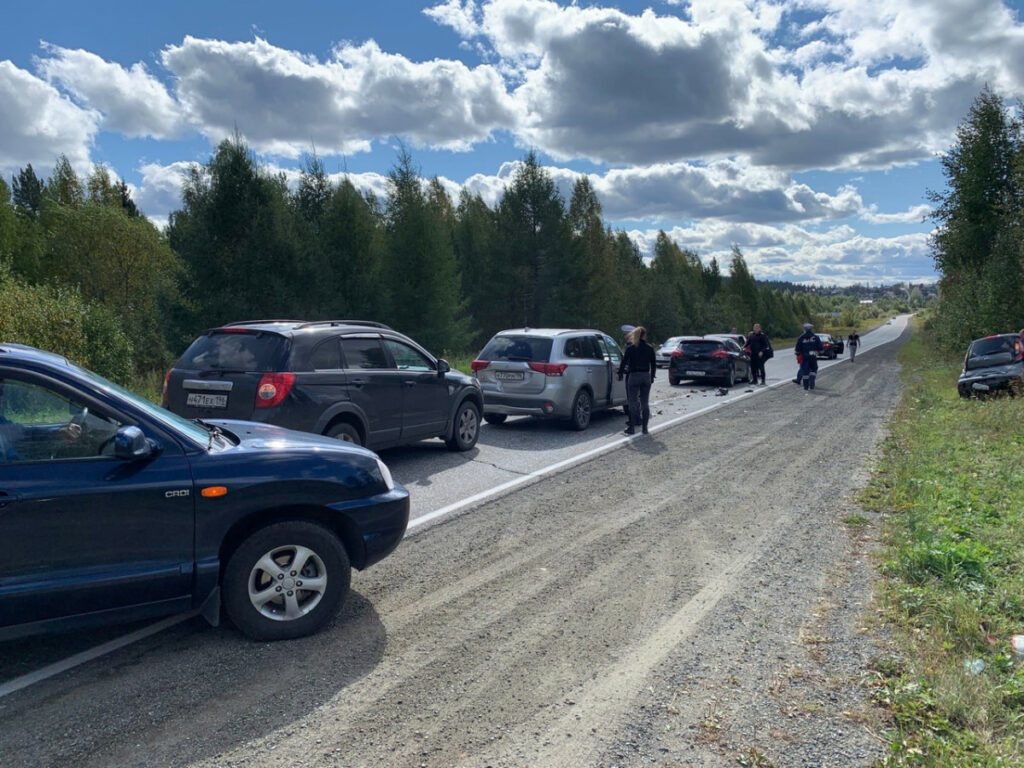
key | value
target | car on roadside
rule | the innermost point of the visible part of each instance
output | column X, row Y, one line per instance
column 114, row 509
column 739, row 338
column 663, row 353
column 993, row 365
column 552, row 373
column 357, row 381
column 714, row 358
column 830, row 347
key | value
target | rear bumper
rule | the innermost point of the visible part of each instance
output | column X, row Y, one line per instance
column 983, row 384
column 511, row 405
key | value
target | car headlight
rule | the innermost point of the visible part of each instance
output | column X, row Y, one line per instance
column 385, row 473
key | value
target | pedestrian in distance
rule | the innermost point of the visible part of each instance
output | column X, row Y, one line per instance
column 852, row 342
column 808, row 345
column 641, row 364
column 760, row 350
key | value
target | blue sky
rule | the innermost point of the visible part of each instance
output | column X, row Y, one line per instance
column 805, row 133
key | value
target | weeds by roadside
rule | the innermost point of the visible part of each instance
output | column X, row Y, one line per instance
column 951, row 486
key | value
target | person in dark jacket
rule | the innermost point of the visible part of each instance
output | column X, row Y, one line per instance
column 641, row 363
column 759, row 347
column 627, row 334
column 852, row 342
column 808, row 345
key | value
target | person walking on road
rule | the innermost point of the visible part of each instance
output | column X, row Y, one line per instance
column 641, row 364
column 853, row 341
column 760, row 350
column 807, row 347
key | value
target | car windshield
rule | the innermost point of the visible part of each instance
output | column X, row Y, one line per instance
column 233, row 349
column 191, row 430
column 527, row 349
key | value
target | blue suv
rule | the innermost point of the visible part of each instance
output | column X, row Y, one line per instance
column 114, row 509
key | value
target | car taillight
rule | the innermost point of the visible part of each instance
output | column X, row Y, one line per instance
column 549, row 369
column 720, row 354
column 273, row 388
column 678, row 353
column 167, row 377
column 479, row 365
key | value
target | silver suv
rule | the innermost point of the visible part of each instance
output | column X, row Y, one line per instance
column 551, row 373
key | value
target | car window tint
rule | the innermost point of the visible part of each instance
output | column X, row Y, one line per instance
column 363, row 353
column 326, row 356
column 614, row 353
column 991, row 346
column 701, row 347
column 235, row 351
column 34, row 425
column 591, row 349
column 573, row 348
column 527, row 349
column 407, row 358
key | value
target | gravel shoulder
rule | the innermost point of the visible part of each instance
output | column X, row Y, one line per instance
column 692, row 599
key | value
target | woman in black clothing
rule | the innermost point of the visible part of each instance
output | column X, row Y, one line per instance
column 641, row 363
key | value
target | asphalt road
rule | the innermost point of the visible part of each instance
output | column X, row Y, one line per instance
column 606, row 612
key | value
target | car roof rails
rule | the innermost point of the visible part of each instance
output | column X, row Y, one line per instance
column 261, row 322
column 366, row 323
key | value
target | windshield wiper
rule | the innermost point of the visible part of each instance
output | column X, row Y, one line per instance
column 213, row 429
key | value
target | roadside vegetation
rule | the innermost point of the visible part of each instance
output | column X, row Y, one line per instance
column 951, row 488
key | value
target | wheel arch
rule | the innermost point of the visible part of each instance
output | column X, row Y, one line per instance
column 344, row 529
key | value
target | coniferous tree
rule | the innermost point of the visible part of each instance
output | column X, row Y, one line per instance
column 27, row 192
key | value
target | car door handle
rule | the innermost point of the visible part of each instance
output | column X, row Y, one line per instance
column 7, row 498
column 409, row 383
column 357, row 382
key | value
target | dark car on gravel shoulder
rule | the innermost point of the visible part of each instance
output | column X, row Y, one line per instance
column 993, row 365
column 715, row 358
column 114, row 509
column 357, row 381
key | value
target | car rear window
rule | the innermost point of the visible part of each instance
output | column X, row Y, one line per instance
column 236, row 351
column 701, row 347
column 992, row 346
column 527, row 349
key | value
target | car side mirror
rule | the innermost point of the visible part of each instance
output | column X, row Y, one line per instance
column 443, row 367
column 131, row 444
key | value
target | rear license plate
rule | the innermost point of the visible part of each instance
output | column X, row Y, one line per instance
column 695, row 373
column 201, row 400
column 508, row 375
column 979, row 386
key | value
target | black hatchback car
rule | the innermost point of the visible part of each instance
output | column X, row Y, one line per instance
column 114, row 509
column 716, row 358
column 993, row 364
column 357, row 381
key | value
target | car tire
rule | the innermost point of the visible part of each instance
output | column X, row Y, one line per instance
column 345, row 432
column 730, row 380
column 582, row 409
column 673, row 381
column 258, row 601
column 495, row 418
column 466, row 427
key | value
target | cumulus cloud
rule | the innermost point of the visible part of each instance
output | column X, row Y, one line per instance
column 132, row 101
column 38, row 123
column 284, row 102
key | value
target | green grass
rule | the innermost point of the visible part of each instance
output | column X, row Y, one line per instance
column 951, row 487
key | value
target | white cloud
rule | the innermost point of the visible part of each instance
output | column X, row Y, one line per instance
column 37, row 124
column 285, row 103
column 132, row 101
column 914, row 215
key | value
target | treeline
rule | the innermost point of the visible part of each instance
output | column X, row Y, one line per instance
column 82, row 272
column 978, row 244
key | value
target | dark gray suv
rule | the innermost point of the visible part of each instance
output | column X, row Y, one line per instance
column 354, row 380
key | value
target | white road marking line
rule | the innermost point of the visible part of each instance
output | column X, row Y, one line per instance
column 93, row 653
